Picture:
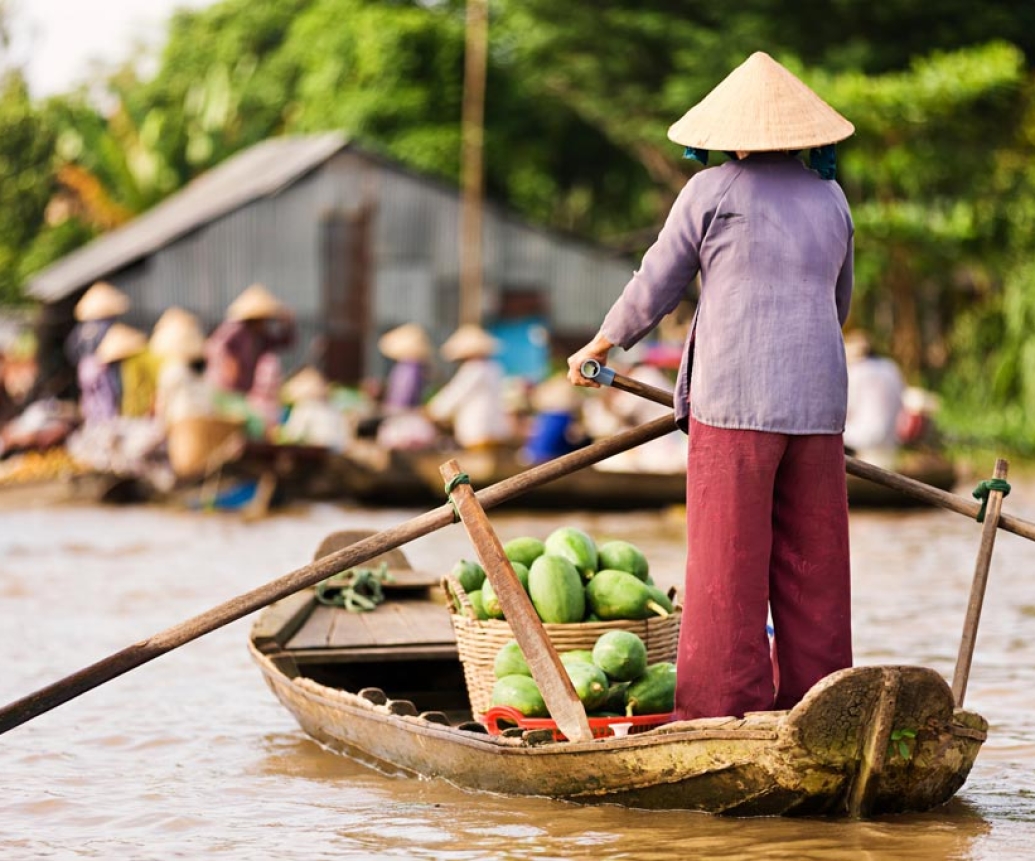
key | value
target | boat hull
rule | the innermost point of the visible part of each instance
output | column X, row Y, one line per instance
column 811, row 760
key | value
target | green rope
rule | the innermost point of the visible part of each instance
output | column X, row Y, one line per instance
column 985, row 488
column 453, row 484
column 358, row 590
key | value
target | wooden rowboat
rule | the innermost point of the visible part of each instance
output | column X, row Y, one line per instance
column 587, row 489
column 376, row 476
column 387, row 688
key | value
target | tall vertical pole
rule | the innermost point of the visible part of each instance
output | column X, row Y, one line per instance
column 977, row 587
column 472, row 134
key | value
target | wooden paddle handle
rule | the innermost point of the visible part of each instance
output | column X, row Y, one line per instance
column 592, row 370
column 549, row 674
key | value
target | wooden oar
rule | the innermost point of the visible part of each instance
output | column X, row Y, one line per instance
column 549, row 674
column 592, row 370
column 81, row 681
column 977, row 588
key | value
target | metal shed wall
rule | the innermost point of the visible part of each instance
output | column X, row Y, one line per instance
column 276, row 240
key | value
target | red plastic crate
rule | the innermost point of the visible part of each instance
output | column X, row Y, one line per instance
column 601, row 726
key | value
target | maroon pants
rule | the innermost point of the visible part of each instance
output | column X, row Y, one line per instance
column 767, row 532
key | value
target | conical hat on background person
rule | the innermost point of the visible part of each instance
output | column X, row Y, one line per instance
column 256, row 303
column 120, row 342
column 555, row 394
column 469, row 342
column 307, row 385
column 101, row 302
column 760, row 107
column 408, row 342
column 177, row 335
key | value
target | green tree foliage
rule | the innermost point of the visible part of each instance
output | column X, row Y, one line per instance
column 918, row 171
column 579, row 98
column 26, row 156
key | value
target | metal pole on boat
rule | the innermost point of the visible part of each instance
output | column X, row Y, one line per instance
column 977, row 588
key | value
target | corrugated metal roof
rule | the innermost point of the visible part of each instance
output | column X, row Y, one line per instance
column 259, row 171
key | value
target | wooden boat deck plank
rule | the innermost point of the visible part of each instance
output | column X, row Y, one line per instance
column 393, row 623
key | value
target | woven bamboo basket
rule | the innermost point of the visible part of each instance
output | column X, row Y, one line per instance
column 201, row 444
column 478, row 641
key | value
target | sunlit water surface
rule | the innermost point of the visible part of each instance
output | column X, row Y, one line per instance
column 190, row 756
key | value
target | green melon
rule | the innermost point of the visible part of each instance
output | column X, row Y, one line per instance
column 620, row 654
column 521, row 693
column 615, row 594
column 524, row 550
column 574, row 545
column 654, row 692
column 510, row 661
column 589, row 682
column 477, row 604
column 584, row 655
column 623, row 556
column 556, row 590
column 470, row 574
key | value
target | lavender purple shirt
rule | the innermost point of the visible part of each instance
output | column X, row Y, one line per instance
column 773, row 243
column 404, row 388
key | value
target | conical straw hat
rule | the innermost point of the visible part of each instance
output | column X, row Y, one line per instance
column 408, row 342
column 469, row 342
column 555, row 394
column 100, row 302
column 255, row 303
column 307, row 384
column 177, row 334
column 759, row 107
column 120, row 342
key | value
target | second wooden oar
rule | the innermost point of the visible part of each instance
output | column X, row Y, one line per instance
column 49, row 697
column 549, row 674
column 593, row 370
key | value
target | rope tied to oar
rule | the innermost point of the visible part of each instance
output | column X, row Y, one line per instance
column 450, row 486
column 985, row 488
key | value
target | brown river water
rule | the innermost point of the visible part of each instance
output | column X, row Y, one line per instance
column 190, row 756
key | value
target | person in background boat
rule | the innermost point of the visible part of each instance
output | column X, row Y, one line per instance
column 472, row 402
column 409, row 348
column 313, row 419
column 556, row 427
column 916, row 426
column 99, row 387
column 401, row 422
column 126, row 350
column 181, row 391
column 131, row 442
column 256, row 324
column 27, row 423
column 875, row 392
column 265, row 407
column 762, row 389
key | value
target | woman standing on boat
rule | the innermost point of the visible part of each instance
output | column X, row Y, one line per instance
column 765, row 402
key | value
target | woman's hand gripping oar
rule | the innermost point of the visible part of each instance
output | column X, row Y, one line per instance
column 593, row 370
